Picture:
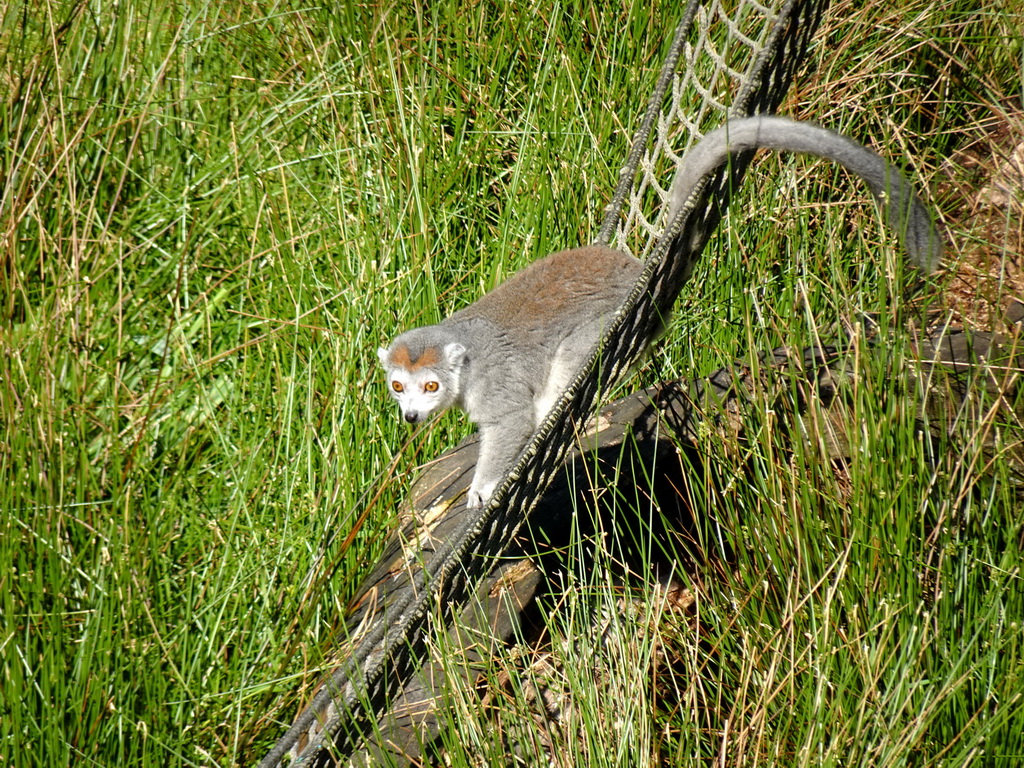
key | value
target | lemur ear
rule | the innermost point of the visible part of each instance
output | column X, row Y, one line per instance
column 455, row 354
column 382, row 355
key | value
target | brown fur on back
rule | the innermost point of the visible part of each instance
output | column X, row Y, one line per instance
column 552, row 290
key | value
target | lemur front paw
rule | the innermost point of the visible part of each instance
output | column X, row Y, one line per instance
column 480, row 494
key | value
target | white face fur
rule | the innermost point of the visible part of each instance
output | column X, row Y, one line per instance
column 421, row 391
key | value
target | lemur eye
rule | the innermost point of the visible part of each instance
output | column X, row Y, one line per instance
column 397, row 386
column 431, row 386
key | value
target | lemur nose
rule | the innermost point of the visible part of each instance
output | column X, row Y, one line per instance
column 412, row 416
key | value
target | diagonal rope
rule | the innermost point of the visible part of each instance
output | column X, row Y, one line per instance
column 391, row 638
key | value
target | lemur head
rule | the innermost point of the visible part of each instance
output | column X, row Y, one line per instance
column 424, row 375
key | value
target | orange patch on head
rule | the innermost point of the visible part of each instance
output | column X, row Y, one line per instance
column 401, row 357
column 431, row 356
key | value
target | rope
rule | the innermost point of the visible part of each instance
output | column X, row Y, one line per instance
column 390, row 636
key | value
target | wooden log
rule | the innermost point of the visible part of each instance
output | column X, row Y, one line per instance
column 631, row 449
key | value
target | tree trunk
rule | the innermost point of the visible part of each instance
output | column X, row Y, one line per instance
column 650, row 445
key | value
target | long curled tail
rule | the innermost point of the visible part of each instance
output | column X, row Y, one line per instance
column 904, row 211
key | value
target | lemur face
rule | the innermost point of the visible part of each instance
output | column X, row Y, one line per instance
column 420, row 394
column 422, row 386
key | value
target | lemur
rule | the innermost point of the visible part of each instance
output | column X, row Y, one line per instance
column 506, row 358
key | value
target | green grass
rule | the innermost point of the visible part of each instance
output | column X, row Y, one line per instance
column 211, row 215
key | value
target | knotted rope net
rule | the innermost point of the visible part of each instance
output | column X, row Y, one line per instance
column 727, row 59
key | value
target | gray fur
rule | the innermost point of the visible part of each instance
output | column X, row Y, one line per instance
column 522, row 345
column 904, row 212
column 507, row 358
